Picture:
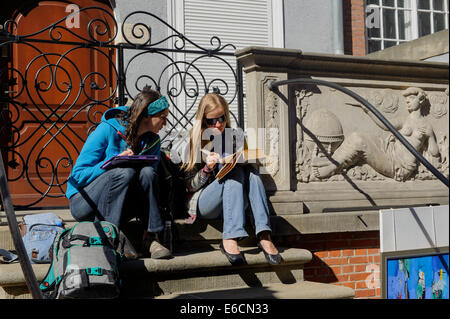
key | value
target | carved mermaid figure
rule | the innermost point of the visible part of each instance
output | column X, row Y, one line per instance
column 389, row 156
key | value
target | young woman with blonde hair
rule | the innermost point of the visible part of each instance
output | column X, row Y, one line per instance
column 228, row 198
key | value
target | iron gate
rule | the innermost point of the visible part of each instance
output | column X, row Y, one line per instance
column 30, row 90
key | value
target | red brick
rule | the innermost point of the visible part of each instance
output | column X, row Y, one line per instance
column 336, row 270
column 361, row 285
column 336, row 261
column 343, row 278
column 373, row 251
column 347, row 252
column 321, row 254
column 335, row 253
column 360, row 252
column 359, row 276
column 360, row 268
column 348, row 269
column 359, row 260
column 364, row 293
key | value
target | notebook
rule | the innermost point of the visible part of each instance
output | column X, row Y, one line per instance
column 130, row 161
column 241, row 156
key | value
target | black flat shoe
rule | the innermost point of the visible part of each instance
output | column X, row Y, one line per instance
column 234, row 259
column 272, row 259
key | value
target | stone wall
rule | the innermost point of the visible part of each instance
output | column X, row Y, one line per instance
column 321, row 141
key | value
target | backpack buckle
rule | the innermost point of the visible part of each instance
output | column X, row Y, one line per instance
column 95, row 241
column 94, row 271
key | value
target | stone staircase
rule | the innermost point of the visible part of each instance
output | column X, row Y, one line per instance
column 198, row 269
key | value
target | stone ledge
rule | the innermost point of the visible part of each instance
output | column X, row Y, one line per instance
column 287, row 225
column 298, row 290
column 420, row 49
column 267, row 59
column 212, row 260
column 12, row 275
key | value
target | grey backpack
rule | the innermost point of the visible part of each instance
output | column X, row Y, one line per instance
column 85, row 262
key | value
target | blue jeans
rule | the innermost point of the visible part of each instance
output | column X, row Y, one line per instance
column 229, row 198
column 119, row 195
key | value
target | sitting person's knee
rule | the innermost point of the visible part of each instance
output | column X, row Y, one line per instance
column 147, row 172
column 125, row 174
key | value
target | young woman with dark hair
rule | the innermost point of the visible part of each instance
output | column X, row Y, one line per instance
column 98, row 194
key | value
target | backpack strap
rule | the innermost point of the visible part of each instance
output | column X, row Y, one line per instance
column 49, row 280
column 7, row 257
column 87, row 241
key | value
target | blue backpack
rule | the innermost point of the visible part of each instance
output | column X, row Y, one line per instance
column 38, row 234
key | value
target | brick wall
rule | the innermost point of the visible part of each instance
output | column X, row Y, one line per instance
column 349, row 259
column 354, row 27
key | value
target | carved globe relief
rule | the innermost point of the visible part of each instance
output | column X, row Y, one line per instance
column 325, row 126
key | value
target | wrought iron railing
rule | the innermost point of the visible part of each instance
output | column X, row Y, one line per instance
column 31, row 91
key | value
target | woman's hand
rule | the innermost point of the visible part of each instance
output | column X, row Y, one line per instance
column 211, row 160
column 126, row 152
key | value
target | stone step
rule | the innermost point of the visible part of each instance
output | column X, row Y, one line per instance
column 187, row 271
column 211, row 270
column 211, row 230
column 298, row 290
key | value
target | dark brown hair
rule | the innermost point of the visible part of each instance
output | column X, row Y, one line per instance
column 136, row 113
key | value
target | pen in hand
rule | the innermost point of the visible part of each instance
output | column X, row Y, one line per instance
column 212, row 158
column 123, row 137
column 128, row 151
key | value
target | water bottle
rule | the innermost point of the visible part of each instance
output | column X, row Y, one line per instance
column 168, row 235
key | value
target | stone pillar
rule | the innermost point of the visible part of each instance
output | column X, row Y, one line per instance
column 267, row 120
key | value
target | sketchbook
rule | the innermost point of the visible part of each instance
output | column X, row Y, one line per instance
column 241, row 156
column 130, row 161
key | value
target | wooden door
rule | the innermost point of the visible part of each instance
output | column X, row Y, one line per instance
column 62, row 89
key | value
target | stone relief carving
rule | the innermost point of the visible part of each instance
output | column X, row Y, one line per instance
column 302, row 165
column 325, row 152
column 439, row 104
column 272, row 137
column 385, row 100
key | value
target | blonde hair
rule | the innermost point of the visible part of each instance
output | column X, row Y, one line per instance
column 208, row 103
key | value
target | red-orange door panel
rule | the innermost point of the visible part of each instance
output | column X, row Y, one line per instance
column 61, row 92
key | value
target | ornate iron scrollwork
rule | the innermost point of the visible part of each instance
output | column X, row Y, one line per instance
column 54, row 92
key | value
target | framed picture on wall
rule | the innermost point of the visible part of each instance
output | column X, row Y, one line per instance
column 415, row 274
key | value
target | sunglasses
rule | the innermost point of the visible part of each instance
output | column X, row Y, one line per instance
column 215, row 120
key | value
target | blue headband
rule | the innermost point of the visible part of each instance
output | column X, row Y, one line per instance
column 157, row 106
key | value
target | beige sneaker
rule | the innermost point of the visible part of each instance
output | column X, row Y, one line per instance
column 158, row 251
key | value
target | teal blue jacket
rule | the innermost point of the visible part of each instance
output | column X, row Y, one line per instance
column 101, row 145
